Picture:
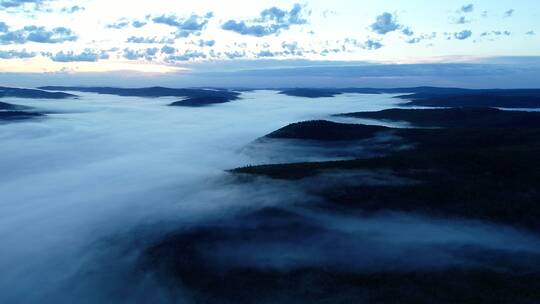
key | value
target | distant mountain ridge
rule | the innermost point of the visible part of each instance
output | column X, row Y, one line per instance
column 193, row 97
column 438, row 97
column 417, row 96
column 32, row 93
column 145, row 91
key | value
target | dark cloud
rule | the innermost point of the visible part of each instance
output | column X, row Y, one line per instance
column 509, row 13
column 385, row 23
column 469, row 8
column 38, row 34
column 271, row 21
column 186, row 27
column 465, row 34
column 16, row 54
column 85, row 56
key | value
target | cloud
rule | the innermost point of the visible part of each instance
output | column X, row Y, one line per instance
column 151, row 51
column 271, row 21
column 188, row 55
column 3, row 27
column 530, row 33
column 86, row 56
column 509, row 13
column 292, row 48
column 465, row 34
column 461, row 20
column 421, row 38
column 384, row 24
column 130, row 54
column 328, row 13
column 252, row 30
column 465, row 9
column 118, row 25
column 16, row 54
column 407, row 31
column 186, row 27
column 469, row 8
column 265, row 54
column 18, row 3
column 138, row 24
column 235, row 54
column 124, row 23
column 372, row 44
column 135, row 39
column 73, row 9
column 38, row 34
column 168, row 50
column 206, row 43
column 496, row 33
column 148, row 54
column 326, row 52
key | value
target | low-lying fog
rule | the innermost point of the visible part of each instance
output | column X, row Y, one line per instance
column 103, row 173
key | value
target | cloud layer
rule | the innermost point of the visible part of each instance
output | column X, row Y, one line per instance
column 271, row 21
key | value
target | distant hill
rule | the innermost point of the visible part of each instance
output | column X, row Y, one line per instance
column 332, row 92
column 18, row 115
column 326, row 131
column 12, row 107
column 32, row 93
column 438, row 97
column 483, row 98
column 146, row 92
column 194, row 97
column 464, row 117
column 488, row 172
column 204, row 101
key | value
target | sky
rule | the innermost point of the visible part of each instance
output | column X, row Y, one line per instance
column 161, row 41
